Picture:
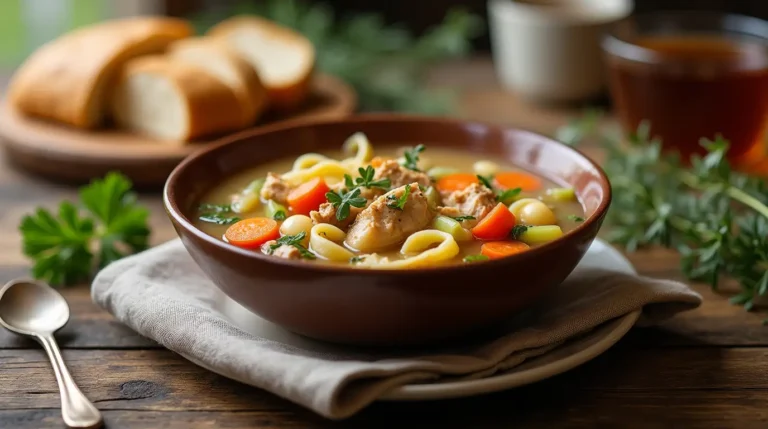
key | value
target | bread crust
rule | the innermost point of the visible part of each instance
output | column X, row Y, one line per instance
column 212, row 107
column 283, row 95
column 68, row 80
column 247, row 86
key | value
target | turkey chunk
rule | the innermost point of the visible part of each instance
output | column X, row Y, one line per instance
column 284, row 251
column 474, row 200
column 275, row 189
column 383, row 225
column 327, row 214
column 399, row 175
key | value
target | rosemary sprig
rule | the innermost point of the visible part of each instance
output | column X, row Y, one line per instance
column 715, row 217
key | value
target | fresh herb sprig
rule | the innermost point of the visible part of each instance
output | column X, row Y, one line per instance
column 295, row 241
column 220, row 214
column 411, row 157
column 343, row 200
column 366, row 180
column 399, row 203
column 715, row 217
column 505, row 196
column 517, row 231
column 68, row 246
column 385, row 63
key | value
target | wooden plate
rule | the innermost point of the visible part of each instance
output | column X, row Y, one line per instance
column 66, row 154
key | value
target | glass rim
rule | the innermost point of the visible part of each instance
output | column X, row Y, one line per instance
column 722, row 23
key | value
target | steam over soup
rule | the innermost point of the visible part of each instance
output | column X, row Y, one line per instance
column 399, row 208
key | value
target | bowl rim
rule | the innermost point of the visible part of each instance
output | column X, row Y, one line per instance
column 176, row 215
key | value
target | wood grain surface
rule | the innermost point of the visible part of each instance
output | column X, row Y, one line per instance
column 707, row 368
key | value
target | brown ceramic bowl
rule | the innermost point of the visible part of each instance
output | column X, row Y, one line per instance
column 385, row 307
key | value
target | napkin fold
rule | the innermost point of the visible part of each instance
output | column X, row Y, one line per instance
column 163, row 295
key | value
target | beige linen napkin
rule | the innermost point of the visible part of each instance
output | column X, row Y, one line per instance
column 163, row 295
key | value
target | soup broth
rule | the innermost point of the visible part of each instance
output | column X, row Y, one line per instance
column 443, row 208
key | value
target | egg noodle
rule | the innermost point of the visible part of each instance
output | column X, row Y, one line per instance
column 311, row 165
column 418, row 244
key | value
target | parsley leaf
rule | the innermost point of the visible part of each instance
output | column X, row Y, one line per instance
column 508, row 196
column 66, row 248
column 503, row 196
column 343, row 200
column 399, row 203
column 220, row 214
column 366, row 180
column 411, row 156
column 279, row 215
column 475, row 258
column 576, row 218
column 295, row 241
column 518, row 230
column 486, row 181
column 356, row 259
column 463, row 218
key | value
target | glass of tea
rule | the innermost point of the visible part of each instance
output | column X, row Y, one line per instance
column 693, row 75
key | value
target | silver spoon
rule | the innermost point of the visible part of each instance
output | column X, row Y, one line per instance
column 36, row 310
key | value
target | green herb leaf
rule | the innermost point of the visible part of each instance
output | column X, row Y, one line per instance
column 219, row 219
column 475, row 258
column 399, row 203
column 411, row 157
column 486, row 181
column 366, row 179
column 279, row 215
column 517, row 231
column 219, row 214
column 575, row 218
column 66, row 248
column 508, row 196
column 462, row 218
column 356, row 259
column 343, row 200
column 295, row 241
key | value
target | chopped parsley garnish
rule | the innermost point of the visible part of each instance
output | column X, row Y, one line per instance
column 463, row 218
column 399, row 203
column 342, row 201
column 475, row 258
column 220, row 214
column 503, row 196
column 517, row 231
column 356, row 259
column 279, row 215
column 576, row 218
column 366, row 180
column 411, row 156
column 292, row 240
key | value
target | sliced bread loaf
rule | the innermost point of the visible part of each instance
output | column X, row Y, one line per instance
column 68, row 79
column 171, row 100
column 283, row 58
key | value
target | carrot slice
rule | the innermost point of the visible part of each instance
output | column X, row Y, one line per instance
column 501, row 249
column 456, row 182
column 252, row 232
column 517, row 179
column 496, row 226
column 308, row 196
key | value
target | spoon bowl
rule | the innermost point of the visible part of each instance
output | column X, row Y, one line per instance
column 28, row 307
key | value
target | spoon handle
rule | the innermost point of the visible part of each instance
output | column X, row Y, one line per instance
column 76, row 409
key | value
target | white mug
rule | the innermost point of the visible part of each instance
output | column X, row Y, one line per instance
column 549, row 50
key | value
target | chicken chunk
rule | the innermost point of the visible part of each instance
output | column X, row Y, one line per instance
column 401, row 176
column 384, row 223
column 275, row 189
column 284, row 251
column 327, row 214
column 474, row 200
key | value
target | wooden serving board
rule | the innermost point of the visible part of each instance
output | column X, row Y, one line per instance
column 66, row 154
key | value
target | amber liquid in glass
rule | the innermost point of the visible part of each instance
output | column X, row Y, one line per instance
column 700, row 86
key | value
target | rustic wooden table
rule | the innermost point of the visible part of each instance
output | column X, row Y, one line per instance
column 704, row 369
